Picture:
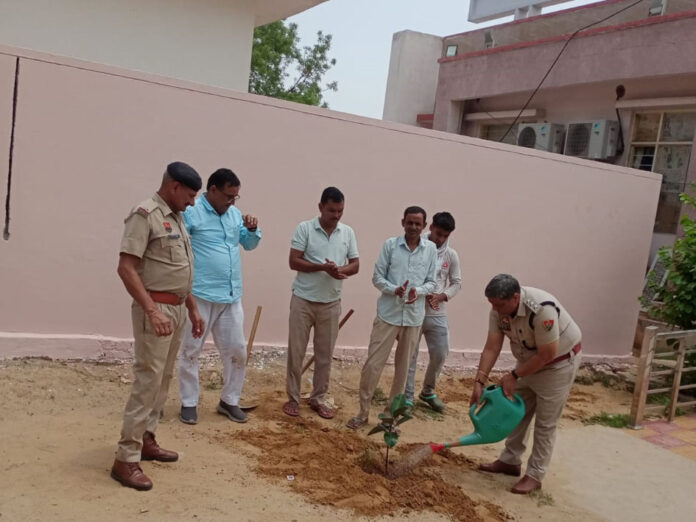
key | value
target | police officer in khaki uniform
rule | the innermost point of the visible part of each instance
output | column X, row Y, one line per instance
column 156, row 266
column 546, row 343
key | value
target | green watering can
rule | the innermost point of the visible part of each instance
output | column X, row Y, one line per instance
column 494, row 418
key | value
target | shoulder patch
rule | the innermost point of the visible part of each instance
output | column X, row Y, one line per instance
column 532, row 304
column 145, row 208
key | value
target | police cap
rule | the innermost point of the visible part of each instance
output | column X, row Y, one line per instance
column 184, row 174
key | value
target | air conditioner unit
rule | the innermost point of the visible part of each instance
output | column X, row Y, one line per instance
column 592, row 139
column 541, row 136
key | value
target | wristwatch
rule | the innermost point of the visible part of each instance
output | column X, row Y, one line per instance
column 514, row 374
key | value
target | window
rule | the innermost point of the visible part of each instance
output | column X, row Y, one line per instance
column 451, row 51
column 661, row 142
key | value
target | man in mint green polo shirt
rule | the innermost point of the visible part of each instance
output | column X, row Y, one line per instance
column 324, row 252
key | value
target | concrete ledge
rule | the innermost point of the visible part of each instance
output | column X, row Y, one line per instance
column 113, row 349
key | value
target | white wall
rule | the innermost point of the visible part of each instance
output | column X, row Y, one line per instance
column 204, row 41
column 412, row 80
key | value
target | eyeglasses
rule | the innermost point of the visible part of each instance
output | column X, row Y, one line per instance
column 231, row 199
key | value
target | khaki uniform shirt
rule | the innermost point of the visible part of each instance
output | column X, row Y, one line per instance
column 540, row 319
column 157, row 235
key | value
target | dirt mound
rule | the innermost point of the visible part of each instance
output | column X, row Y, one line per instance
column 335, row 467
column 455, row 389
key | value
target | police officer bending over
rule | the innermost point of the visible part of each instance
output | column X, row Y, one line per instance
column 546, row 343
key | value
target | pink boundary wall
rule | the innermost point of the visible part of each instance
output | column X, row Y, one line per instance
column 91, row 141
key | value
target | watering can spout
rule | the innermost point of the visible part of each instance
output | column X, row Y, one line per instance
column 471, row 439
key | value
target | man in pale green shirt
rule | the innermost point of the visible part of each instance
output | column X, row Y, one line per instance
column 324, row 252
column 405, row 274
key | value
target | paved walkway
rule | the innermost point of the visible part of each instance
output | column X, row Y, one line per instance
column 678, row 436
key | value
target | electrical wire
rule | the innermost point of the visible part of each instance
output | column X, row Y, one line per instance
column 558, row 56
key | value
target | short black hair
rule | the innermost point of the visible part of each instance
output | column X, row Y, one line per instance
column 415, row 210
column 184, row 174
column 223, row 177
column 502, row 286
column 332, row 194
column 443, row 220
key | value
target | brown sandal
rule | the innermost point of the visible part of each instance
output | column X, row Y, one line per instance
column 291, row 408
column 322, row 410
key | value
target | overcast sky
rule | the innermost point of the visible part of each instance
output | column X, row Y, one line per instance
column 362, row 33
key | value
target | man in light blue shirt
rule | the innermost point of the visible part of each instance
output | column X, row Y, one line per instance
column 323, row 252
column 405, row 274
column 217, row 229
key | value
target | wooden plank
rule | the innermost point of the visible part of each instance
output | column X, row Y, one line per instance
column 655, row 407
column 254, row 326
column 677, row 380
column 689, row 403
column 659, row 390
column 687, row 387
column 689, row 335
column 640, row 393
column 661, row 372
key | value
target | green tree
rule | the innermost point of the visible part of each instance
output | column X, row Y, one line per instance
column 676, row 300
column 281, row 69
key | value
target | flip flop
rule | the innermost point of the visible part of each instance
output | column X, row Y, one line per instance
column 323, row 411
column 291, row 408
column 356, row 423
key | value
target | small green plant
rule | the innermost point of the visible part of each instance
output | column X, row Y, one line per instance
column 613, row 420
column 379, row 398
column 399, row 412
column 543, row 498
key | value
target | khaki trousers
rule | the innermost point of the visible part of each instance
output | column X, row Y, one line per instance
column 544, row 394
column 381, row 341
column 324, row 318
column 152, row 372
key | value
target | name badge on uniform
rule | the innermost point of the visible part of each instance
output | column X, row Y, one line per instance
column 173, row 236
column 167, row 226
column 505, row 324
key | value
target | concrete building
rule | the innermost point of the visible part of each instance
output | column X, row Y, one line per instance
column 622, row 92
column 203, row 41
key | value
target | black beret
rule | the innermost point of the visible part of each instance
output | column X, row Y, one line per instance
column 185, row 174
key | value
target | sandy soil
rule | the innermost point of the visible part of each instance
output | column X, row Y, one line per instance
column 60, row 422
